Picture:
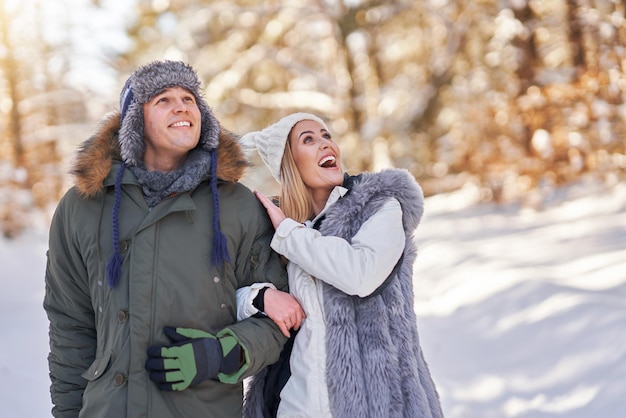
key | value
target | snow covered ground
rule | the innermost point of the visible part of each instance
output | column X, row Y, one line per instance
column 522, row 313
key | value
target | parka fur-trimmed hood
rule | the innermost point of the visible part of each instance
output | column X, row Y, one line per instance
column 95, row 157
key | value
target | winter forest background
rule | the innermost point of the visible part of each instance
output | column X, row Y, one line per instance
column 510, row 114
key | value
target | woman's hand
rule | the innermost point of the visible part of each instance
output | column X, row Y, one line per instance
column 275, row 213
column 283, row 309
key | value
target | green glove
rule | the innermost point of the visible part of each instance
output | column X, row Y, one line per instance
column 194, row 357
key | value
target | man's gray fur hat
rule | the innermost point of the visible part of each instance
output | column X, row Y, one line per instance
column 149, row 81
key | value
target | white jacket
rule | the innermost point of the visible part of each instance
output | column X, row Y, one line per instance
column 357, row 269
column 369, row 361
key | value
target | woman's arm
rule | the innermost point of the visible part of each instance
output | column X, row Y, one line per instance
column 279, row 306
column 245, row 299
column 356, row 268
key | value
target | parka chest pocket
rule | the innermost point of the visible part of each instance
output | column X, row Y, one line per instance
column 98, row 367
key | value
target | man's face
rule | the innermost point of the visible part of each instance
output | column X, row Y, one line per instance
column 172, row 124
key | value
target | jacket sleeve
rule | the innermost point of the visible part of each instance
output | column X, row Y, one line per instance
column 260, row 339
column 245, row 297
column 356, row 268
column 68, row 307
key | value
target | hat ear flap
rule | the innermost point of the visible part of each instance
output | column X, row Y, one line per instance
column 126, row 99
column 132, row 146
column 210, row 130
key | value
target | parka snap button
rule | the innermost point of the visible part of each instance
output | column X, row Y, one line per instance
column 216, row 279
column 119, row 379
column 223, row 306
column 122, row 316
column 123, row 246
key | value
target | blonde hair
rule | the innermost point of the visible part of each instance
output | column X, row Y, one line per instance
column 295, row 200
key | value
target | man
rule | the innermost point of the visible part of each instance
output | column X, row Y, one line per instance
column 156, row 234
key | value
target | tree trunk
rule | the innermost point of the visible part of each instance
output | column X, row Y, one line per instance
column 9, row 67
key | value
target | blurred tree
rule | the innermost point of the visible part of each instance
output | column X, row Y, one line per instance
column 348, row 61
column 38, row 107
column 508, row 97
column 502, row 95
column 10, row 70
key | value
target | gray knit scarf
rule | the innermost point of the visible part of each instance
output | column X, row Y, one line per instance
column 157, row 185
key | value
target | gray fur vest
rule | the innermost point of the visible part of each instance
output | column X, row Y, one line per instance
column 375, row 366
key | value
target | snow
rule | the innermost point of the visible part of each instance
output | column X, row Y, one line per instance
column 522, row 313
column 24, row 346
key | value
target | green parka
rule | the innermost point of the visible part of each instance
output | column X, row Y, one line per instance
column 99, row 335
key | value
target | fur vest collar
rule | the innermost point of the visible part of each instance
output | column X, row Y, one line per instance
column 375, row 366
column 95, row 157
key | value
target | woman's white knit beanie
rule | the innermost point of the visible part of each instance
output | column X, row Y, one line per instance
column 270, row 142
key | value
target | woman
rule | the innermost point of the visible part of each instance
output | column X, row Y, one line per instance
column 349, row 242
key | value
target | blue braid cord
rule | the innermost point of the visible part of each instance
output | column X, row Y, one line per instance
column 127, row 98
column 114, row 266
column 219, row 254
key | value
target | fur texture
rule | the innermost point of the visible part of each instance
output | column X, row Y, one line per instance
column 375, row 366
column 144, row 84
column 95, row 156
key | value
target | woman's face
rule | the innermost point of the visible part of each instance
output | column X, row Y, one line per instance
column 317, row 157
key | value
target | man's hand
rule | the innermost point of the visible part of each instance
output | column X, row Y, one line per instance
column 194, row 357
